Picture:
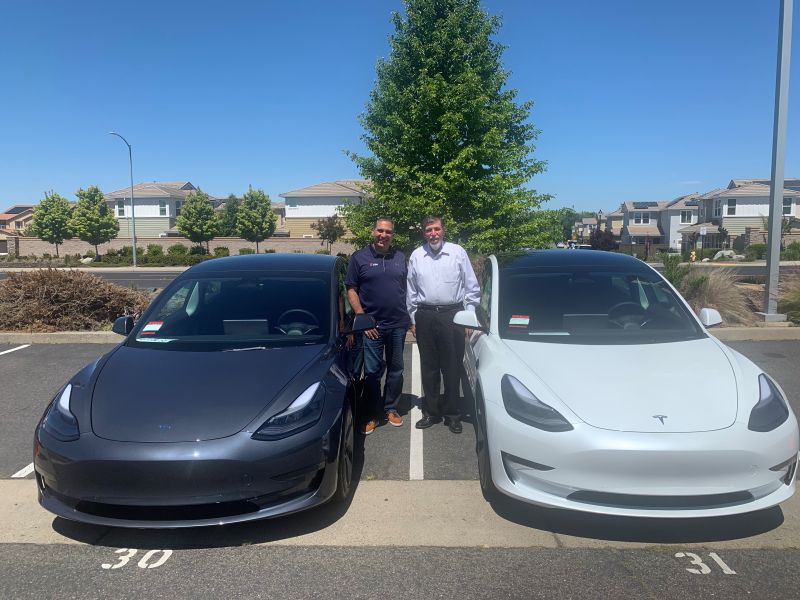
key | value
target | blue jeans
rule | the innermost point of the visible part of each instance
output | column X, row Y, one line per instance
column 383, row 354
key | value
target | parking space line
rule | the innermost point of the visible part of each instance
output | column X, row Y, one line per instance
column 415, row 468
column 15, row 349
column 23, row 472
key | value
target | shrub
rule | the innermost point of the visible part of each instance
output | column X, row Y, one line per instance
column 246, row 251
column 269, row 251
column 154, row 250
column 222, row 251
column 197, row 250
column 177, row 250
column 89, row 254
column 60, row 300
column 717, row 289
column 755, row 252
column 323, row 251
column 674, row 271
column 789, row 298
column 112, row 252
column 792, row 252
column 708, row 253
column 46, row 256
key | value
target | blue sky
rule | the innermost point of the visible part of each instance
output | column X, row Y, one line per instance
column 635, row 100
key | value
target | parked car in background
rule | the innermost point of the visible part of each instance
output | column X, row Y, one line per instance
column 597, row 389
column 229, row 400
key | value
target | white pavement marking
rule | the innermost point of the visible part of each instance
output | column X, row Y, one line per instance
column 15, row 349
column 23, row 472
column 415, row 468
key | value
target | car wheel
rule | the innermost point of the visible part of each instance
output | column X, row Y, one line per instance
column 344, row 479
column 482, row 449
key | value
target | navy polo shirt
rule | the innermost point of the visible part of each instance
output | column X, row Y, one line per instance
column 380, row 280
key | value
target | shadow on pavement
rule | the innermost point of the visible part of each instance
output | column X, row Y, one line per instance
column 639, row 529
column 239, row 534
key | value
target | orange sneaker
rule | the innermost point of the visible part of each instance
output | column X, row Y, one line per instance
column 369, row 427
column 394, row 418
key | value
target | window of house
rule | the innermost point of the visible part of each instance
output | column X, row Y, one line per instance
column 717, row 208
column 787, row 206
column 686, row 216
column 637, row 218
column 120, row 208
column 646, row 218
column 162, row 208
column 731, row 207
column 18, row 224
column 291, row 203
column 178, row 206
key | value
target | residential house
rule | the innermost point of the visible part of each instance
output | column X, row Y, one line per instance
column 742, row 205
column 640, row 222
column 675, row 215
column 156, row 204
column 308, row 205
column 16, row 218
column 613, row 222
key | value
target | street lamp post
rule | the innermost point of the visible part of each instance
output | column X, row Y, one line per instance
column 133, row 206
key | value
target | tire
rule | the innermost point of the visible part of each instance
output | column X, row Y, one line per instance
column 344, row 463
column 488, row 488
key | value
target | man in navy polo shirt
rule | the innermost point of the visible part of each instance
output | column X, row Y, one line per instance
column 376, row 285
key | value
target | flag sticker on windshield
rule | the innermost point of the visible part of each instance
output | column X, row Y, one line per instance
column 152, row 327
column 519, row 321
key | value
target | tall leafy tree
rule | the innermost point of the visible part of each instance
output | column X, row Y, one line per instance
column 197, row 220
column 91, row 220
column 446, row 135
column 227, row 218
column 330, row 229
column 256, row 221
column 51, row 219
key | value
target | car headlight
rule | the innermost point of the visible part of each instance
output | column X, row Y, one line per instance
column 301, row 414
column 59, row 420
column 521, row 404
column 771, row 410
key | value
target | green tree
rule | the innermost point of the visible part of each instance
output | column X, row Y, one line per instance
column 91, row 219
column 255, row 221
column 227, row 218
column 51, row 219
column 197, row 221
column 567, row 218
column 330, row 229
column 602, row 239
column 446, row 135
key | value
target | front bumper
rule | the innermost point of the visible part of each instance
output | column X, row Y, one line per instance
column 186, row 484
column 673, row 475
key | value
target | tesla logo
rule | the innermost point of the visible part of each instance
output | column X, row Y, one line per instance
column 165, row 427
column 660, row 418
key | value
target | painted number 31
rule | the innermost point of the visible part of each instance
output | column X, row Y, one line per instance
column 702, row 568
column 146, row 562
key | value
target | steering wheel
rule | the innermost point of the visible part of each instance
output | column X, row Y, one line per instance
column 288, row 327
column 630, row 315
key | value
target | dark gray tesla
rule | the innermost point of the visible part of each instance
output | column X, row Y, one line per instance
column 229, row 400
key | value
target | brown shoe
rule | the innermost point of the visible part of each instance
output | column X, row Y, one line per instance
column 369, row 427
column 394, row 418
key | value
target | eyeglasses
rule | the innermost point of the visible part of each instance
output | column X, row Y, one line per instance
column 386, row 231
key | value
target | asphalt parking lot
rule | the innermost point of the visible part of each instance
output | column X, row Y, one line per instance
column 417, row 526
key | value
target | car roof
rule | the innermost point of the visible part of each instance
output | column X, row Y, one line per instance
column 566, row 258
column 277, row 261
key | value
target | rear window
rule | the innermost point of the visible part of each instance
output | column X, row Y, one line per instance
column 583, row 305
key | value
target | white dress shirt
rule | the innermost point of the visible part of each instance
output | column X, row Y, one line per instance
column 441, row 278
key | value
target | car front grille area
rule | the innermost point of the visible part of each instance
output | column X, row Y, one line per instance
column 706, row 501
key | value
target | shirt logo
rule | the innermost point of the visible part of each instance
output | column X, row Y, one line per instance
column 374, row 264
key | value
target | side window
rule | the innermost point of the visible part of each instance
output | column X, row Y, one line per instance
column 484, row 309
column 345, row 309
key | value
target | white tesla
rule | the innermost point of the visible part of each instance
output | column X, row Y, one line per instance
column 597, row 389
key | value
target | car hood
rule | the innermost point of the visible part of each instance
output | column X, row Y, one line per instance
column 623, row 388
column 144, row 395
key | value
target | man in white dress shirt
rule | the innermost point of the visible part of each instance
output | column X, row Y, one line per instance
column 441, row 282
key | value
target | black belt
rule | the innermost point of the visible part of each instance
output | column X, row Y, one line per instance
column 440, row 307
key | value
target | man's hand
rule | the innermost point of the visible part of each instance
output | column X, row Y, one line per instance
column 349, row 341
column 413, row 330
column 372, row 334
column 468, row 332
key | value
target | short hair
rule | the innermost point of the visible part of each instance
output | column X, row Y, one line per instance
column 429, row 220
column 379, row 219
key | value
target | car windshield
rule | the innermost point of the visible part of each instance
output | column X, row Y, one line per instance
column 585, row 305
column 238, row 312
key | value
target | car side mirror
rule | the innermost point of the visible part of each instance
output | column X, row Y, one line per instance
column 363, row 322
column 710, row 317
column 123, row 325
column 468, row 318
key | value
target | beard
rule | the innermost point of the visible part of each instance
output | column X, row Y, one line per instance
column 435, row 246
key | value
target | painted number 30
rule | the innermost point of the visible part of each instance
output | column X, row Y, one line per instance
column 146, row 562
column 701, row 567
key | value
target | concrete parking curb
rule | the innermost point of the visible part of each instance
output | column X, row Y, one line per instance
column 725, row 334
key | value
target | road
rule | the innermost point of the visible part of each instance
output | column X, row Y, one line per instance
column 428, row 536
column 159, row 277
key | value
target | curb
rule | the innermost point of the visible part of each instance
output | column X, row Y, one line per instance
column 724, row 334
